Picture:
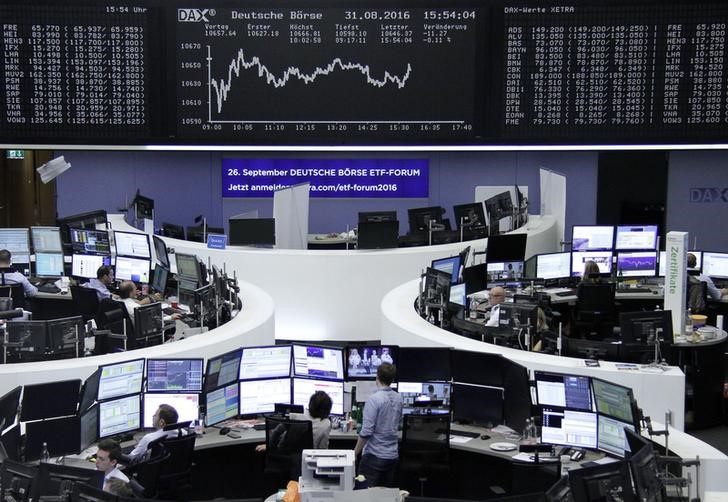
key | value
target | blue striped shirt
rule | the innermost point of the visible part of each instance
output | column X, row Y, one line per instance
column 9, row 278
column 382, row 415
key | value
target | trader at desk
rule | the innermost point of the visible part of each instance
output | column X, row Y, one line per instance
column 713, row 292
column 104, row 278
column 107, row 459
column 164, row 416
column 9, row 276
column 496, row 296
column 128, row 294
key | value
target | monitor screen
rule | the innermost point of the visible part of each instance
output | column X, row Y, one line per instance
column 89, row 427
column 90, row 241
column 132, row 269
column 174, row 375
column 143, row 207
column 506, row 248
column 613, row 400
column 564, row 391
column 568, row 427
column 478, row 404
column 160, row 251
column 450, row 265
column 553, row 266
column 9, row 404
column 17, row 242
column 505, row 270
column 32, row 335
column 132, row 244
column 611, row 437
column 222, row 403
column 645, row 474
column 159, row 279
column 499, row 206
column 594, row 482
column 421, row 364
column 121, row 379
column 120, row 415
column 470, row 216
column 318, row 362
column 362, row 361
column 188, row 266
column 458, row 295
column 187, row 406
column 603, row 259
column 663, row 262
column 252, row 231
column 48, row 264
column 86, row 265
column 303, row 388
column 89, row 391
column 644, row 326
column 148, row 320
column 476, row 278
column 46, row 239
column 425, row 397
column 715, row 264
column 636, row 237
column 64, row 334
column 377, row 216
column 222, row 370
column 260, row 396
column 420, row 218
column 437, row 286
column 378, row 235
column 60, row 434
column 50, row 400
column 265, row 362
column 591, row 237
column 637, row 263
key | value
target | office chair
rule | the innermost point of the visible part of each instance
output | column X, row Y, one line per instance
column 14, row 291
column 285, row 439
column 144, row 476
column 595, row 314
column 425, row 447
column 114, row 319
column 175, row 472
column 85, row 302
column 697, row 296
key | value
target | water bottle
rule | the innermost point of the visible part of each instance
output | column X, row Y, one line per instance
column 45, row 455
column 688, row 323
column 473, row 312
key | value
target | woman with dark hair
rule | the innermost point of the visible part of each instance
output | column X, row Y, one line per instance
column 591, row 272
column 319, row 408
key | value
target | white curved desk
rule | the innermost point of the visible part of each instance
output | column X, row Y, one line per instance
column 336, row 294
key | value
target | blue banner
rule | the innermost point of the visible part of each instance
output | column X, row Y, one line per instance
column 329, row 178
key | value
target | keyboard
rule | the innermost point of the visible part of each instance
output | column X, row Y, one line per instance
column 48, row 287
column 467, row 434
column 571, row 292
column 634, row 290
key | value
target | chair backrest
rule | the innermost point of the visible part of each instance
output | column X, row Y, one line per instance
column 697, row 295
column 179, row 463
column 426, row 434
column 595, row 297
column 146, row 476
column 111, row 315
column 85, row 301
column 284, row 436
column 14, row 291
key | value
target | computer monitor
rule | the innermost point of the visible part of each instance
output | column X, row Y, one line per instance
column 637, row 263
column 56, row 480
column 222, row 403
column 16, row 481
column 458, row 295
column 518, row 315
column 498, row 207
column 252, row 231
column 86, row 265
column 377, row 216
column 590, row 484
column 17, row 242
column 9, row 404
column 560, row 491
column 644, row 326
column 261, row 396
column 614, row 400
column 120, row 379
column 49, row 265
column 62, row 436
column 222, row 370
column 304, row 387
column 451, row 265
column 422, row 364
column 32, row 335
column 663, row 262
column 471, row 217
column 143, row 207
column 132, row 269
column 647, row 484
column 437, row 285
column 634, row 237
column 46, row 239
column 173, row 231
column 362, row 361
column 505, row 270
column 475, row 278
column 378, row 235
column 89, row 391
column 188, row 266
column 592, row 237
column 160, row 251
column 603, row 259
column 148, row 321
column 10, row 444
column 611, row 437
column 159, row 279
column 89, row 427
column 120, row 415
column 715, row 264
column 90, row 241
column 66, row 336
column 567, row 427
column 187, row 406
column 590, row 349
column 477, row 404
column 506, row 248
column 318, row 362
column 265, row 362
column 420, row 218
column 50, row 400
column 553, row 266
column 174, row 375
column 564, row 391
column 132, row 244
column 425, row 397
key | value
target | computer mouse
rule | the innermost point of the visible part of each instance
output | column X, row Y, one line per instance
column 224, row 431
column 577, row 455
column 484, row 437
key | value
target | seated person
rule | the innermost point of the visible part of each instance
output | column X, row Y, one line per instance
column 713, row 292
column 319, row 408
column 164, row 416
column 104, row 278
column 496, row 296
column 107, row 459
column 591, row 273
column 128, row 293
column 542, row 328
column 8, row 276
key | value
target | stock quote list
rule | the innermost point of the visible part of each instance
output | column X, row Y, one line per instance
column 326, row 74
column 74, row 72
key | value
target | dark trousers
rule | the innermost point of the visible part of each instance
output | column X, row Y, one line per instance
column 378, row 471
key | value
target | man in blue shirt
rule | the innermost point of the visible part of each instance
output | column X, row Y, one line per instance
column 104, row 277
column 378, row 437
column 9, row 276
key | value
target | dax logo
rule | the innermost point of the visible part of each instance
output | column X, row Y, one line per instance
column 194, row 15
column 712, row 194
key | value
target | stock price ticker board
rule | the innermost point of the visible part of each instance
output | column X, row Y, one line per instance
column 480, row 72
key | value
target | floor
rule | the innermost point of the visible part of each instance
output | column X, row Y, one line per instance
column 717, row 437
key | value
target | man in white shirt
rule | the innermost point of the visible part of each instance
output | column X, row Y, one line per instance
column 107, row 459
column 496, row 296
column 164, row 416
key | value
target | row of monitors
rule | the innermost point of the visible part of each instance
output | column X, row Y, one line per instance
column 603, row 237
